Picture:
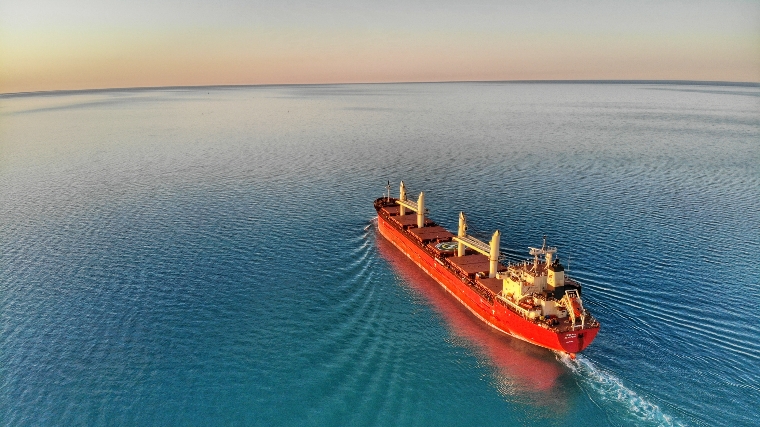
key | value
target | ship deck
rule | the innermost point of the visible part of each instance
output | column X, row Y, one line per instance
column 473, row 264
column 427, row 234
column 494, row 285
column 405, row 221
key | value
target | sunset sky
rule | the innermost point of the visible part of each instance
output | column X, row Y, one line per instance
column 79, row 44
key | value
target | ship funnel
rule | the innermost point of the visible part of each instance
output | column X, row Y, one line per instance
column 402, row 197
column 462, row 233
column 494, row 258
column 421, row 210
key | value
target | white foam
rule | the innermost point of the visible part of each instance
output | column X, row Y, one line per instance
column 606, row 386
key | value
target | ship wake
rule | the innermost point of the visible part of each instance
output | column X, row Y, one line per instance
column 623, row 405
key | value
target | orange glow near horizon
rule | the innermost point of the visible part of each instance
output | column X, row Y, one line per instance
column 89, row 57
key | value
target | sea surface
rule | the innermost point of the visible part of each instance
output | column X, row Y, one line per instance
column 209, row 256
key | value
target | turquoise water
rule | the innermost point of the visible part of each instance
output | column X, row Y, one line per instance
column 208, row 256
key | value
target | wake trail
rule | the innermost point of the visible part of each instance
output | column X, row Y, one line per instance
column 627, row 405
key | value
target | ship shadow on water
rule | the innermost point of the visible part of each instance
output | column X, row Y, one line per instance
column 520, row 371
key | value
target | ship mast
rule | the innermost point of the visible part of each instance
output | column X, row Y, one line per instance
column 405, row 204
column 548, row 253
column 493, row 257
column 462, row 232
column 491, row 249
column 402, row 198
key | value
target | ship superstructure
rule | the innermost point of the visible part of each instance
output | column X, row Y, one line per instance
column 533, row 300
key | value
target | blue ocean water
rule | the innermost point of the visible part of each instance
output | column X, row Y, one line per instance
column 208, row 256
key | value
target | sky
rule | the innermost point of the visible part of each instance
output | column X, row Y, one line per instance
column 88, row 44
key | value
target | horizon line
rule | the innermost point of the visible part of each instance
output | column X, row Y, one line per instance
column 222, row 86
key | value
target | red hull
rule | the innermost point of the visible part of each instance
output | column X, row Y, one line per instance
column 496, row 315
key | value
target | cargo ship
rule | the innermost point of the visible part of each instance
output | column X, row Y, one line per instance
column 533, row 300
